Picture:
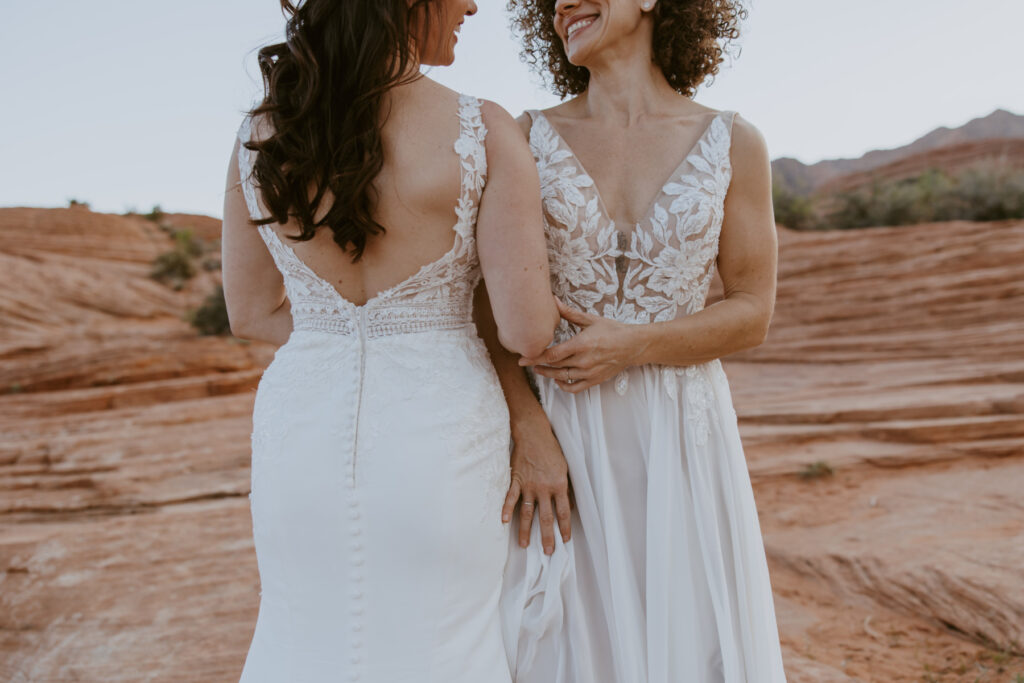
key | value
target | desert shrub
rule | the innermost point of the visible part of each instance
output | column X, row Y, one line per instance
column 988, row 194
column 983, row 193
column 173, row 268
column 178, row 265
column 792, row 210
column 77, row 204
column 816, row 470
column 187, row 243
column 212, row 316
column 156, row 214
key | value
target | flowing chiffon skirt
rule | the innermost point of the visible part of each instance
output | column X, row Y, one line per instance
column 665, row 579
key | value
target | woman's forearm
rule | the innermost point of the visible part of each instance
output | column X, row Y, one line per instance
column 274, row 328
column 539, row 474
column 735, row 324
column 522, row 404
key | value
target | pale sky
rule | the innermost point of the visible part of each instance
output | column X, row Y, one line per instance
column 127, row 104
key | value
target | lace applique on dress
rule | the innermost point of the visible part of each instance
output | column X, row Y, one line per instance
column 669, row 264
column 437, row 296
column 582, row 242
column 698, row 396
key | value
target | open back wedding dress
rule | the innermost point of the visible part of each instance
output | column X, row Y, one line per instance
column 665, row 579
column 379, row 465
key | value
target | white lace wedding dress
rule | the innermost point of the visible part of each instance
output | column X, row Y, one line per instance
column 379, row 465
column 665, row 579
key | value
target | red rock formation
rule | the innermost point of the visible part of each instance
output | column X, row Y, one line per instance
column 1001, row 153
column 896, row 359
column 806, row 179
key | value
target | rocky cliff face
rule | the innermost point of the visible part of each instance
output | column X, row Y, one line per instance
column 896, row 362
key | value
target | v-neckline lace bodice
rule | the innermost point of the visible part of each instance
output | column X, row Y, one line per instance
column 662, row 189
column 660, row 269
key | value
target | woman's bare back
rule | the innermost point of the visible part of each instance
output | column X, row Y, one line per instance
column 418, row 189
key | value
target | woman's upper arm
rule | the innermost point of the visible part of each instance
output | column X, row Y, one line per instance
column 253, row 287
column 748, row 244
column 510, row 239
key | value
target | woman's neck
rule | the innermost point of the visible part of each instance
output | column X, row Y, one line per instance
column 626, row 85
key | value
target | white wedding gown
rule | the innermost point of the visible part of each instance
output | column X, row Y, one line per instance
column 665, row 579
column 379, row 465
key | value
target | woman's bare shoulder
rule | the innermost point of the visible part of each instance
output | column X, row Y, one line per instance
column 748, row 144
column 504, row 129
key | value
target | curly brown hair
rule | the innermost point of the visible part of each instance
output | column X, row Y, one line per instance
column 690, row 40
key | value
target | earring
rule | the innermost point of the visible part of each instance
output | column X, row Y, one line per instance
column 647, row 7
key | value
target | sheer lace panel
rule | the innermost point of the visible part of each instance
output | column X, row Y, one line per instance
column 438, row 296
column 662, row 267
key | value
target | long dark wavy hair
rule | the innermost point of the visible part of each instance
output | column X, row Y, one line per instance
column 690, row 40
column 324, row 100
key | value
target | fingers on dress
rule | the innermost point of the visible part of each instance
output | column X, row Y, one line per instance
column 379, row 465
column 666, row 579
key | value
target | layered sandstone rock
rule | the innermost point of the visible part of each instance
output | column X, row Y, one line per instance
column 940, row 146
column 896, row 361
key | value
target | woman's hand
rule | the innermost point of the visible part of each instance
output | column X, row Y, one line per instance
column 540, row 477
column 602, row 349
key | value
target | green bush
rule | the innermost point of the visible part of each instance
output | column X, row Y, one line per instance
column 983, row 193
column 178, row 265
column 173, row 268
column 156, row 214
column 187, row 243
column 989, row 194
column 816, row 470
column 212, row 317
column 792, row 210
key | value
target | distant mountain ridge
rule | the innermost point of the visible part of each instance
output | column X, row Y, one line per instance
column 805, row 179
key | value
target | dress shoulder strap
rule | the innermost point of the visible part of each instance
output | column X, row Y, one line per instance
column 729, row 117
column 471, row 148
column 532, row 115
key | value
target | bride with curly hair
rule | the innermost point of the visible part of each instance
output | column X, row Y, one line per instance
column 646, row 195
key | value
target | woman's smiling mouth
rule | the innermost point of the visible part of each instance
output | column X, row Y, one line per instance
column 577, row 25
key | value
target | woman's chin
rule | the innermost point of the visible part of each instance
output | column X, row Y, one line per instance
column 443, row 59
column 578, row 57
column 578, row 53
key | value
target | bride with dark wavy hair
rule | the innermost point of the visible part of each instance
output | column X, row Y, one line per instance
column 364, row 203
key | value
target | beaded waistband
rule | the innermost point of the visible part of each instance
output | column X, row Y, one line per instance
column 384, row 320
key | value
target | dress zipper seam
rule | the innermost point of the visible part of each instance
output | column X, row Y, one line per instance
column 359, row 393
